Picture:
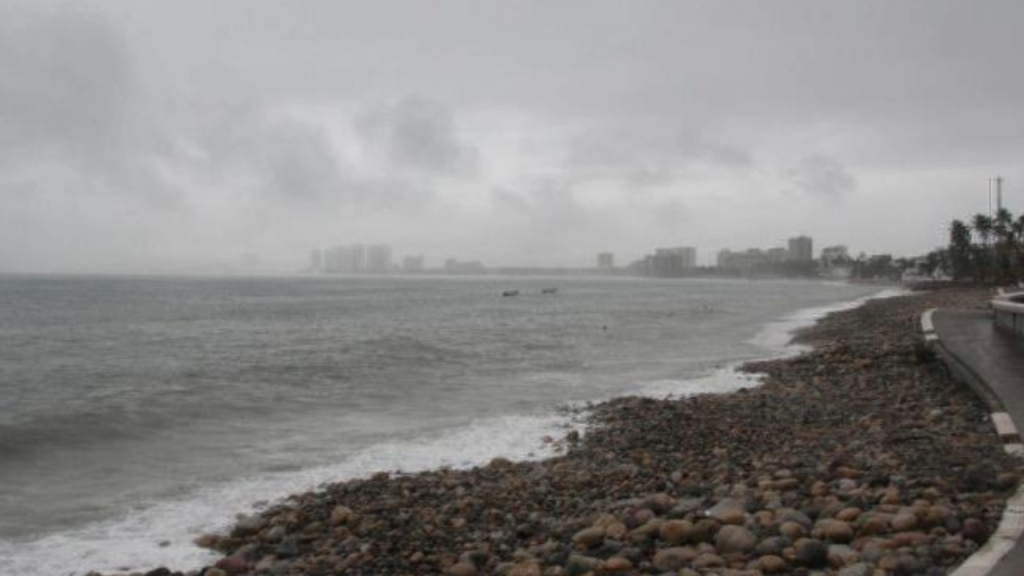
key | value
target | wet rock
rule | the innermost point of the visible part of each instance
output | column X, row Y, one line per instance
column 247, row 526
column 288, row 548
column 859, row 569
column 811, row 553
column 589, row 537
column 526, row 569
column 616, row 565
column 341, row 515
column 708, row 560
column 975, row 530
column 904, row 521
column 833, row 531
column 732, row 539
column 461, row 569
column 677, row 531
column 674, row 558
column 771, row 564
column 728, row 511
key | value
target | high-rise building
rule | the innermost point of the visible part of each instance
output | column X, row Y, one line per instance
column 412, row 263
column 833, row 255
column 357, row 258
column 378, row 259
column 316, row 260
column 606, row 261
column 801, row 249
column 670, row 262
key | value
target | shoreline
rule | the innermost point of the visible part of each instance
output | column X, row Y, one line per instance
column 778, row 478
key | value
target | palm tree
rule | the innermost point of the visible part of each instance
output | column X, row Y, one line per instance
column 1017, row 230
column 983, row 226
column 1002, row 229
column 959, row 250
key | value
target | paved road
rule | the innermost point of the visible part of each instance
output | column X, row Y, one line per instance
column 997, row 359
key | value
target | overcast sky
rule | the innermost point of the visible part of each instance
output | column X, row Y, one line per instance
column 145, row 136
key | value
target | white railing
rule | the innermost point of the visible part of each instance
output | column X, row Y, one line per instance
column 1008, row 311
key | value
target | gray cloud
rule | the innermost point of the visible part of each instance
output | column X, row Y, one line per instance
column 641, row 157
column 822, row 176
column 419, row 134
column 150, row 131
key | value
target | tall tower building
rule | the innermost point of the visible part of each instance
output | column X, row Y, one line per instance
column 801, row 249
column 378, row 259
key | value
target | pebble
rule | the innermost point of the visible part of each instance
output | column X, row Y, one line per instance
column 589, row 537
column 731, row 539
column 771, row 564
column 461, row 569
column 677, row 531
column 674, row 558
column 823, row 468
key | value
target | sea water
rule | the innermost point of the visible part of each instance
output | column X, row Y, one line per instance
column 138, row 413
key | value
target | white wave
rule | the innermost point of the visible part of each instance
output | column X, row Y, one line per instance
column 162, row 534
column 722, row 380
column 776, row 337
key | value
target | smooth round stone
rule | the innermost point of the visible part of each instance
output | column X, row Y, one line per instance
column 859, row 569
column 811, row 553
column 849, row 514
column 833, row 530
column 616, row 530
column 728, row 511
column 771, row 564
column 677, row 531
column 975, row 530
column 840, row 555
column 792, row 530
column 732, row 539
column 674, row 558
column 904, row 521
column 340, row 515
column 232, row 565
column 772, row 546
column 589, row 537
column 705, row 561
column 248, row 525
column 525, row 569
column 616, row 565
column 461, row 569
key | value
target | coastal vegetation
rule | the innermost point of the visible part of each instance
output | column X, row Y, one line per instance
column 985, row 249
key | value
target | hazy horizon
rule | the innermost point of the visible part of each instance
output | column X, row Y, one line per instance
column 158, row 137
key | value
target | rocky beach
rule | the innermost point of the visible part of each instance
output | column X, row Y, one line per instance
column 859, row 457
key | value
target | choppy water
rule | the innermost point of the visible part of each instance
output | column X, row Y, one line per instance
column 136, row 413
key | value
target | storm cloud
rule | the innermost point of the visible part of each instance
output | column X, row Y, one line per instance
column 153, row 136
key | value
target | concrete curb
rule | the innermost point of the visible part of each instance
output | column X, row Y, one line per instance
column 960, row 370
column 1011, row 527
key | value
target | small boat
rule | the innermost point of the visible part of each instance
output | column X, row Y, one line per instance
column 508, row 293
column 549, row 291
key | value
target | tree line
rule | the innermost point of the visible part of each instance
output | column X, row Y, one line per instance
column 988, row 249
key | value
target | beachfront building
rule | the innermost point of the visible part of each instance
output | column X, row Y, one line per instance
column 672, row 262
column 412, row 264
column 605, row 261
column 316, row 260
column 801, row 249
column 378, row 258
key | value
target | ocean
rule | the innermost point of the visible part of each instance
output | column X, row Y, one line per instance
column 139, row 412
